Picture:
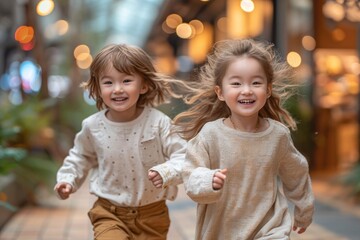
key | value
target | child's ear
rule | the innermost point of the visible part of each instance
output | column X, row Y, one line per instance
column 144, row 89
column 218, row 92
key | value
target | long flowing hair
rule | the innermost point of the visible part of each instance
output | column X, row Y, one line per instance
column 132, row 60
column 204, row 103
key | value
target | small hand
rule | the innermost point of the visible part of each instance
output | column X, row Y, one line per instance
column 63, row 189
column 299, row 230
column 156, row 178
column 219, row 179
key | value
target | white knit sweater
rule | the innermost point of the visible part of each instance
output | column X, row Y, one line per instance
column 264, row 171
column 119, row 156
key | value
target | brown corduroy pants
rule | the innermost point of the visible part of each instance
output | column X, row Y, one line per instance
column 149, row 222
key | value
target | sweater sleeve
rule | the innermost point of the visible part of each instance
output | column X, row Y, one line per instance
column 174, row 148
column 294, row 174
column 80, row 160
column 197, row 175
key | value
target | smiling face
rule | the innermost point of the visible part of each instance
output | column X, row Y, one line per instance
column 120, row 93
column 244, row 87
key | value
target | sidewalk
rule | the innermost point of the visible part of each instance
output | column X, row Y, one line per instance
column 335, row 218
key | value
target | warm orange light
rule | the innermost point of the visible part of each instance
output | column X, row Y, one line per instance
column 221, row 24
column 294, row 59
column 200, row 45
column 84, row 63
column 62, row 27
column 173, row 20
column 81, row 49
column 249, row 23
column 166, row 28
column 24, row 34
column 333, row 65
column 184, row 30
column 338, row 34
column 308, row 43
column 198, row 25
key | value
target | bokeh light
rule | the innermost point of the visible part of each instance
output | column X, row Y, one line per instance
column 24, row 34
column 85, row 61
column 83, row 56
column 294, row 59
column 45, row 7
column 167, row 29
column 247, row 5
column 30, row 76
column 27, row 46
column 59, row 28
column 58, row 86
column 338, row 34
column 221, row 24
column 333, row 10
column 308, row 43
column 62, row 27
column 198, row 25
column 333, row 65
column 184, row 30
column 173, row 20
column 81, row 49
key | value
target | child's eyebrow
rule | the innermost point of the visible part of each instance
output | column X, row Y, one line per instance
column 105, row 77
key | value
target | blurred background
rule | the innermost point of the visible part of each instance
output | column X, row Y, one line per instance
column 46, row 48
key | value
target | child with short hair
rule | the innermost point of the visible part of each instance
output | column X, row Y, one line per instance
column 241, row 165
column 135, row 160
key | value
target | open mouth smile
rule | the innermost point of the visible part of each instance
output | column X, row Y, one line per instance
column 246, row 101
column 119, row 99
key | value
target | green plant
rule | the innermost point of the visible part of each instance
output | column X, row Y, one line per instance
column 9, row 156
column 20, row 125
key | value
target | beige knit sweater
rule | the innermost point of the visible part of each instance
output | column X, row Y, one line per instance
column 264, row 171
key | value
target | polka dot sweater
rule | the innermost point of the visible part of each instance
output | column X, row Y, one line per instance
column 119, row 155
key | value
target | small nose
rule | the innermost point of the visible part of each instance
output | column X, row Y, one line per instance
column 246, row 89
column 118, row 88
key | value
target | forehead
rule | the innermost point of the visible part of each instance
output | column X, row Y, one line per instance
column 245, row 65
column 112, row 72
column 113, row 68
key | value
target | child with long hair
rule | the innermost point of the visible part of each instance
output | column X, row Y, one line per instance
column 135, row 160
column 241, row 165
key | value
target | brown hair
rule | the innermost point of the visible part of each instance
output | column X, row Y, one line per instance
column 130, row 60
column 207, row 107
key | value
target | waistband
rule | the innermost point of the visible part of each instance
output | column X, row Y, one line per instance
column 134, row 210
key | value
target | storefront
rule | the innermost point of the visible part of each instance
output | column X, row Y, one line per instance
column 336, row 84
column 321, row 49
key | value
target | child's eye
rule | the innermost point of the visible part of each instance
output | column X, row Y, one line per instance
column 235, row 83
column 257, row 83
column 107, row 82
